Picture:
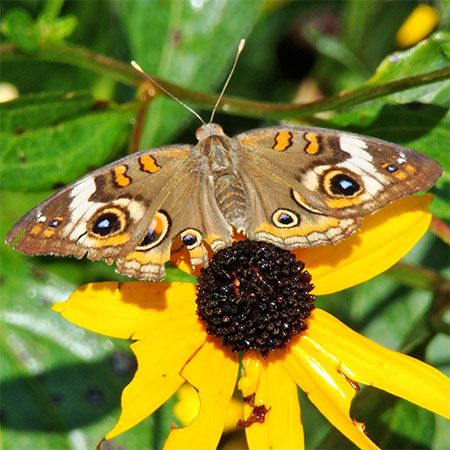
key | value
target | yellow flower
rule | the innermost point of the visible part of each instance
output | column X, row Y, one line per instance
column 419, row 24
column 327, row 359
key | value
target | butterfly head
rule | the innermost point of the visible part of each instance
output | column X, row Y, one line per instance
column 207, row 130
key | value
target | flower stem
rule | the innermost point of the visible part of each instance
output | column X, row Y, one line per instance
column 440, row 229
column 84, row 58
column 417, row 277
column 51, row 9
column 144, row 99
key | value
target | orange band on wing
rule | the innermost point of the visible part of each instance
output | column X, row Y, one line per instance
column 325, row 224
column 112, row 241
column 409, row 168
column 283, row 140
column 400, row 175
column 313, row 146
column 148, row 164
column 120, row 179
column 338, row 203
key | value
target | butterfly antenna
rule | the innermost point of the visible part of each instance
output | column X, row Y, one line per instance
column 139, row 69
column 238, row 53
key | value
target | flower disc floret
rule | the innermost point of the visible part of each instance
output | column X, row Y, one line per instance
column 254, row 296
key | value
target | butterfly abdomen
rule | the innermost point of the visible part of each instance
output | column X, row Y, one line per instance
column 218, row 154
column 230, row 197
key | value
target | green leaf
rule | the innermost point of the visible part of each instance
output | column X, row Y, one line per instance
column 423, row 127
column 56, row 377
column 430, row 54
column 427, row 56
column 437, row 352
column 440, row 206
column 330, row 47
column 50, row 10
column 369, row 31
column 187, row 43
column 20, row 28
column 61, row 144
column 407, row 422
column 25, row 113
column 50, row 368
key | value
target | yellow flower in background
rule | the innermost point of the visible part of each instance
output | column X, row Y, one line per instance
column 419, row 24
column 254, row 305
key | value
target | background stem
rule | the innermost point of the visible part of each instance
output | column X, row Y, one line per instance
column 119, row 71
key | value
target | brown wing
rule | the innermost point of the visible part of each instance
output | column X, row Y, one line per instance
column 336, row 173
column 129, row 212
column 190, row 213
column 105, row 213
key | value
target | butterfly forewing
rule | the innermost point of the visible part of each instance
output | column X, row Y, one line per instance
column 335, row 173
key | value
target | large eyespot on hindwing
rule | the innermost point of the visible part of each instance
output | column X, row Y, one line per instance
column 191, row 238
column 284, row 218
column 342, row 183
column 108, row 222
column 156, row 232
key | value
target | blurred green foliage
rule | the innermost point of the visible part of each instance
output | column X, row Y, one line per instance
column 61, row 385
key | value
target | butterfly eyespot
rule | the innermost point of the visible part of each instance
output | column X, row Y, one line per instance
column 156, row 232
column 108, row 222
column 338, row 183
column 191, row 238
column 391, row 168
column 283, row 218
column 55, row 223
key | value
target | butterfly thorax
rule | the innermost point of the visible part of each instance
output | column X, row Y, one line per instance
column 220, row 160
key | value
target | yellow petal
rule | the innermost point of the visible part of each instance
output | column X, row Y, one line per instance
column 161, row 357
column 249, row 380
column 417, row 26
column 328, row 390
column 367, row 362
column 182, row 260
column 383, row 240
column 277, row 392
column 127, row 310
column 188, row 407
column 234, row 413
column 213, row 372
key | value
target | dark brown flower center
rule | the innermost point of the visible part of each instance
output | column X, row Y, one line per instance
column 254, row 295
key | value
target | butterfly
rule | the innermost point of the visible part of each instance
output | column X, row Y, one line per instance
column 287, row 185
column 290, row 186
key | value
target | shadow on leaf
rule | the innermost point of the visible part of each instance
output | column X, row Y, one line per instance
column 68, row 397
column 403, row 123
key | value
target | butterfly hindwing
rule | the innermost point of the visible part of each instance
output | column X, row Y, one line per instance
column 190, row 213
column 278, row 218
